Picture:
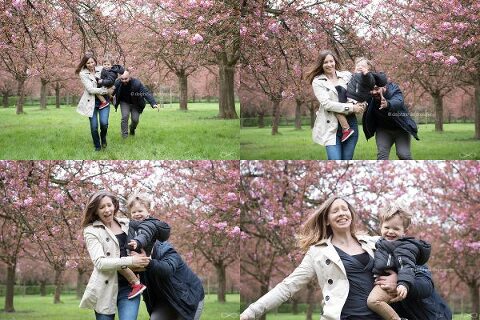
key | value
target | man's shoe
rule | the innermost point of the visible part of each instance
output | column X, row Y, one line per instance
column 347, row 133
column 132, row 132
column 136, row 290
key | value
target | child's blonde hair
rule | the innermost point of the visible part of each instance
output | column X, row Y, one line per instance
column 388, row 212
column 109, row 57
column 141, row 198
column 367, row 61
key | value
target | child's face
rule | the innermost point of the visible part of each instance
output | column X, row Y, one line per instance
column 107, row 64
column 361, row 65
column 393, row 229
column 138, row 211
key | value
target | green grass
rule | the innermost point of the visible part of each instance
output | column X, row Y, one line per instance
column 42, row 308
column 284, row 316
column 456, row 142
column 166, row 134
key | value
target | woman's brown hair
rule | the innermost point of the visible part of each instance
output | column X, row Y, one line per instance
column 316, row 229
column 90, row 213
column 84, row 61
column 318, row 68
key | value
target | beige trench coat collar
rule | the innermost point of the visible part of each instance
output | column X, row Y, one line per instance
column 342, row 75
column 332, row 254
column 123, row 226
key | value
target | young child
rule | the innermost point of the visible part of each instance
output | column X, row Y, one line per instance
column 396, row 252
column 108, row 75
column 143, row 232
column 358, row 91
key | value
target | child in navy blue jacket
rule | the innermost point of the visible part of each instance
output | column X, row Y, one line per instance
column 108, row 75
column 396, row 252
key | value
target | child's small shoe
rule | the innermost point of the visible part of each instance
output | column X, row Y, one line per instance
column 103, row 105
column 136, row 290
column 347, row 133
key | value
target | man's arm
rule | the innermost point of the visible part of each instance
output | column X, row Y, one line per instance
column 144, row 93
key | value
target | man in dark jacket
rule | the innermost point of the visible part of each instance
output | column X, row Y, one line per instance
column 131, row 94
column 387, row 118
column 174, row 291
column 422, row 301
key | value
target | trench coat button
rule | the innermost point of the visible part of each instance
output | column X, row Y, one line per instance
column 327, row 298
column 330, row 281
column 328, row 121
column 328, row 261
column 108, row 254
column 108, row 239
column 106, row 281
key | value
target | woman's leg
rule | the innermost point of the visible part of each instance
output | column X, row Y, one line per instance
column 94, row 129
column 378, row 302
column 334, row 152
column 127, row 308
column 348, row 146
column 99, row 316
column 104, row 114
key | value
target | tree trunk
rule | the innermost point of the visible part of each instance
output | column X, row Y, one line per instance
column 80, row 283
column 43, row 94
column 310, row 300
column 57, row 95
column 226, row 96
column 294, row 305
column 477, row 109
column 261, row 120
column 182, row 85
column 298, row 115
column 276, row 116
column 43, row 288
column 20, row 94
column 475, row 298
column 5, row 99
column 58, row 285
column 438, row 104
column 10, row 286
column 312, row 115
column 222, row 282
column 263, row 291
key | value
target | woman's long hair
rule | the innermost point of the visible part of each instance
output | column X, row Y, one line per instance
column 84, row 60
column 90, row 214
column 318, row 68
column 316, row 229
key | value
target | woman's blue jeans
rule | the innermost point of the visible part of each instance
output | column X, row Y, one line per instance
column 127, row 309
column 344, row 150
column 102, row 117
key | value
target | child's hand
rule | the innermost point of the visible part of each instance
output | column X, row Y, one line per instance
column 402, row 291
column 133, row 244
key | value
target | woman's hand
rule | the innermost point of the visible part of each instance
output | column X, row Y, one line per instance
column 140, row 261
column 388, row 283
column 359, row 107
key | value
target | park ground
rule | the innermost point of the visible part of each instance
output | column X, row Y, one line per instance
column 455, row 142
column 164, row 134
column 283, row 316
column 41, row 308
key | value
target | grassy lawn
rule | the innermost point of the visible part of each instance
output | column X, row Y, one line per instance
column 456, row 142
column 285, row 316
column 42, row 308
column 166, row 134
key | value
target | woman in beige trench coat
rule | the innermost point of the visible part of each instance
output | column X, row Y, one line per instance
column 105, row 236
column 339, row 258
